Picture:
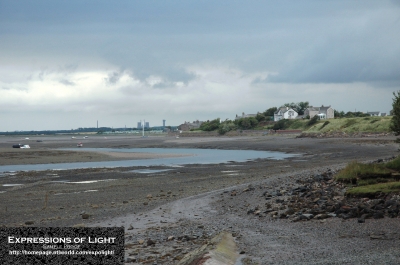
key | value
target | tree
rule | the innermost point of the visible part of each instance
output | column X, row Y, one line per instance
column 270, row 112
column 302, row 106
column 299, row 107
column 210, row 125
column 247, row 123
column 260, row 117
column 395, row 122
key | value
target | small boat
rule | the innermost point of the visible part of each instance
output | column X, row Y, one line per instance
column 79, row 145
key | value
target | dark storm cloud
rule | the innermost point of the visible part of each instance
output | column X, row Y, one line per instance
column 305, row 41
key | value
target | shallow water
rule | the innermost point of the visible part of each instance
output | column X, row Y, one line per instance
column 197, row 156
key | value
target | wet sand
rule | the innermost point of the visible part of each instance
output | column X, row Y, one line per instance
column 185, row 199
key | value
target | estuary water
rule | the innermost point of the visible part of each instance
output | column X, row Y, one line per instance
column 195, row 156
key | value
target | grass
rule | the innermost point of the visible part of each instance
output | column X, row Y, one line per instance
column 372, row 190
column 371, row 179
column 394, row 164
column 346, row 125
column 355, row 171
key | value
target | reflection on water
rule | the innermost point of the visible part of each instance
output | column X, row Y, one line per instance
column 198, row 156
column 149, row 171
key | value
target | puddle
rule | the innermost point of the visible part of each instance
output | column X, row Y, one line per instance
column 12, row 185
column 239, row 261
column 149, row 171
column 76, row 192
column 90, row 181
column 229, row 171
column 60, row 181
column 185, row 156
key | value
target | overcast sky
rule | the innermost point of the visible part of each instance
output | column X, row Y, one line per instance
column 69, row 64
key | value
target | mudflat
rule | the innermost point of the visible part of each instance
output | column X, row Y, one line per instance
column 181, row 208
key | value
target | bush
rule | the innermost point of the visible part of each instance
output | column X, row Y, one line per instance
column 312, row 121
column 226, row 127
column 247, row 123
column 283, row 124
column 323, row 125
column 210, row 125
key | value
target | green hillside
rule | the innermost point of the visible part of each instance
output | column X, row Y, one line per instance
column 347, row 125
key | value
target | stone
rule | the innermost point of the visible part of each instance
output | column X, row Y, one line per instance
column 377, row 236
column 322, row 216
column 85, row 216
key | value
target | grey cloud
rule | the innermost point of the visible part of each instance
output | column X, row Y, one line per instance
column 113, row 78
column 67, row 82
column 14, row 88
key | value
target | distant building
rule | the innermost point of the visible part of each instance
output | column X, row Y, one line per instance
column 187, row 126
column 323, row 112
column 139, row 125
column 245, row 116
column 147, row 125
column 285, row 113
column 375, row 113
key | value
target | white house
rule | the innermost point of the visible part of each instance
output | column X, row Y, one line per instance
column 285, row 113
column 375, row 113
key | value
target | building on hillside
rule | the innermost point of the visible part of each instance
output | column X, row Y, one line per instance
column 285, row 113
column 323, row 112
column 187, row 126
column 245, row 116
column 376, row 113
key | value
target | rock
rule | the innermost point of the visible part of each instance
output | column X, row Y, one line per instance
column 321, row 216
column 308, row 216
column 85, row 216
column 361, row 220
column 149, row 196
column 130, row 227
column 150, row 242
column 378, row 215
column 29, row 222
column 377, row 236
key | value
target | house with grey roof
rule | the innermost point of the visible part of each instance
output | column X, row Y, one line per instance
column 285, row 113
column 187, row 126
column 245, row 116
column 324, row 112
column 376, row 113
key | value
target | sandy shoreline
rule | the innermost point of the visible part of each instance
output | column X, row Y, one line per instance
column 33, row 156
column 195, row 200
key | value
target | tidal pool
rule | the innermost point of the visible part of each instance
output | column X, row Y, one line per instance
column 193, row 156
